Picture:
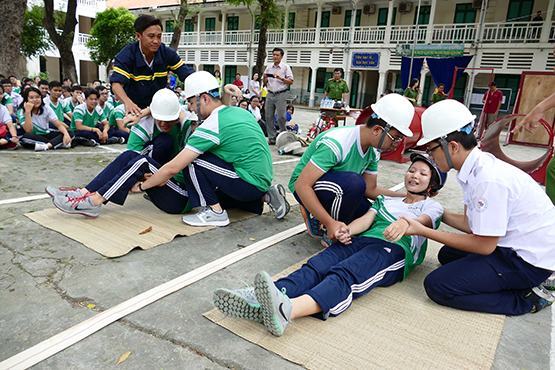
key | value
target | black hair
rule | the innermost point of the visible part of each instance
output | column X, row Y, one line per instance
column 97, row 81
column 66, row 88
column 25, row 96
column 338, row 70
column 434, row 185
column 492, row 83
column 76, row 88
column 254, row 97
column 43, row 82
column 441, row 84
column 279, row 50
column 413, row 82
column 101, row 88
column 290, row 106
column 468, row 141
column 375, row 121
column 237, row 74
column 90, row 91
column 144, row 21
column 243, row 101
column 5, row 81
column 53, row 84
column 26, row 80
column 67, row 79
column 10, row 76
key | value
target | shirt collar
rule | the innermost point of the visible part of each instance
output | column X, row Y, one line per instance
column 141, row 59
column 468, row 165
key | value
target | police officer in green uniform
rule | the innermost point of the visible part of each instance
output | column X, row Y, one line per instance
column 336, row 88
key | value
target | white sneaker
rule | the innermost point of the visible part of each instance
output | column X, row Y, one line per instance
column 41, row 147
column 207, row 217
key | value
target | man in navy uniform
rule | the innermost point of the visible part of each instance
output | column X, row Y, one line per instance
column 141, row 68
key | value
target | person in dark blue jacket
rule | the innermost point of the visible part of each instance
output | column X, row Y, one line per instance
column 141, row 68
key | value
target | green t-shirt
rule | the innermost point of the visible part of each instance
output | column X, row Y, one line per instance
column 116, row 114
column 411, row 95
column 142, row 134
column 233, row 135
column 7, row 99
column 388, row 210
column 105, row 112
column 16, row 90
column 438, row 97
column 336, row 88
column 58, row 108
column 69, row 107
column 41, row 122
column 89, row 119
column 338, row 149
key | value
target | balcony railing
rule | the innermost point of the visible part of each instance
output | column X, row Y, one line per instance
column 83, row 38
column 500, row 32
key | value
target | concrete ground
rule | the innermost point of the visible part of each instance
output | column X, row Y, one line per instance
column 49, row 283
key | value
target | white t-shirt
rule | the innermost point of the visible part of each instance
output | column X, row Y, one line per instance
column 255, row 112
column 254, row 87
column 40, row 122
column 502, row 200
column 5, row 117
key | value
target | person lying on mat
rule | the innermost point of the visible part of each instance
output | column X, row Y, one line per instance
column 381, row 255
column 129, row 169
column 339, row 170
column 228, row 160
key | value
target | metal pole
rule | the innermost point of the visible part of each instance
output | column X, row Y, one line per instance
column 478, row 40
column 414, row 41
column 251, row 48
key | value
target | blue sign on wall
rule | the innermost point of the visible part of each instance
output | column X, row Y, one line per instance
column 365, row 60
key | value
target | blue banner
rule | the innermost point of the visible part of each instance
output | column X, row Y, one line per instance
column 405, row 67
column 442, row 69
column 365, row 60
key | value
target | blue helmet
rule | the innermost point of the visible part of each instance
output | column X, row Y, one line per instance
column 438, row 178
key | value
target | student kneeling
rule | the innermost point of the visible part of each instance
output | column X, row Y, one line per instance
column 507, row 248
column 380, row 256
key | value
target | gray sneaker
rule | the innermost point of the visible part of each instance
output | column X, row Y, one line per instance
column 54, row 191
column 77, row 205
column 275, row 305
column 206, row 217
column 240, row 303
column 277, row 201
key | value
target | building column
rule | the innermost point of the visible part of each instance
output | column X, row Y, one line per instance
column 546, row 28
column 469, row 87
column 312, row 86
column 388, row 27
column 198, row 28
column 381, row 83
column 423, row 73
column 285, row 24
column 318, row 22
column 222, row 41
column 363, row 78
column 430, row 28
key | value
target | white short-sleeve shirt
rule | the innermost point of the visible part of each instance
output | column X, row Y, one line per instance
column 502, row 200
column 5, row 117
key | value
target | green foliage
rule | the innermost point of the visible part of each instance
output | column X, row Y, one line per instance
column 34, row 39
column 112, row 30
column 271, row 14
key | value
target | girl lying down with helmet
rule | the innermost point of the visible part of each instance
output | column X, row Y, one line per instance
column 372, row 251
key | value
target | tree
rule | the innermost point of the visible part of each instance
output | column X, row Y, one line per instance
column 112, row 30
column 178, row 24
column 63, row 40
column 270, row 15
column 34, row 39
column 11, row 26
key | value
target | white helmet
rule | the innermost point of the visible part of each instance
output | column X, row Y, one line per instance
column 165, row 105
column 200, row 82
column 443, row 118
column 397, row 111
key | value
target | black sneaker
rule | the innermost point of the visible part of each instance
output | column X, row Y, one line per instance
column 113, row 140
column 540, row 298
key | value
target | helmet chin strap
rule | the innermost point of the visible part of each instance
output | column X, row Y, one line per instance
column 197, row 110
column 385, row 131
column 445, row 147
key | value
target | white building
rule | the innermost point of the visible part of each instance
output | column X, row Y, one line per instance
column 87, row 70
column 318, row 36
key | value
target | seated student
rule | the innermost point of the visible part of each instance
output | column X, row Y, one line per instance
column 104, row 107
column 289, row 125
column 35, row 117
column 88, row 125
column 11, row 91
column 160, row 140
column 380, row 256
column 128, row 171
column 254, row 108
column 244, row 104
column 8, row 133
column 55, row 102
column 507, row 245
column 75, row 100
column 6, row 100
column 339, row 170
column 227, row 158
column 66, row 92
column 118, row 120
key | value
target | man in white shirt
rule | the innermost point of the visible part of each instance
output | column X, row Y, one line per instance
column 278, row 77
column 507, row 248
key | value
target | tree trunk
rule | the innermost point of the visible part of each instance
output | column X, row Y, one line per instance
column 262, row 39
column 11, row 62
column 63, row 41
column 183, row 10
